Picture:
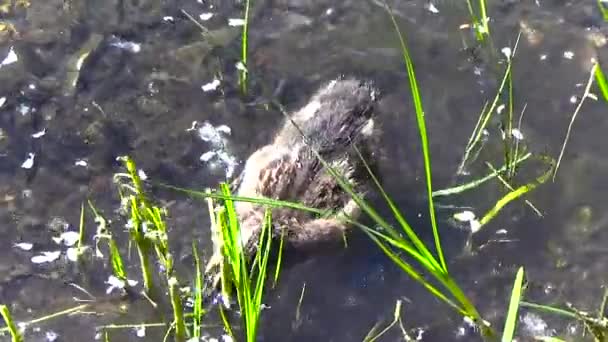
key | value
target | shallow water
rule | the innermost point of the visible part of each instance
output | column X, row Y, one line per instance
column 140, row 90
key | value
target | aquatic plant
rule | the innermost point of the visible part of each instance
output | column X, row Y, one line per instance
column 480, row 21
column 247, row 276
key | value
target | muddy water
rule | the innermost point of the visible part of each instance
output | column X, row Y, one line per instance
column 86, row 81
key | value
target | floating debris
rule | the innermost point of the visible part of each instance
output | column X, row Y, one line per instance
column 25, row 246
column 51, row 336
column 142, row 175
column 211, row 85
column 10, row 58
column 534, row 325
column 517, row 134
column 46, row 257
column 205, row 16
column 118, row 284
column 39, row 134
column 431, row 8
column 81, row 162
column 500, row 108
column 468, row 216
column 29, row 162
column 72, row 254
column 507, row 52
column 2, row 101
column 207, row 156
column 24, row 109
column 168, row 19
column 76, row 61
column 236, row 22
column 465, row 216
column 568, row 54
column 69, row 238
column 241, row 67
column 125, row 44
column 220, row 157
column 140, row 331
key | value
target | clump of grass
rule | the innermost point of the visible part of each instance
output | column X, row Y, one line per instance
column 247, row 276
column 148, row 231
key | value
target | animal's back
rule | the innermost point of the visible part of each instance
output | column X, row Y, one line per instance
column 338, row 114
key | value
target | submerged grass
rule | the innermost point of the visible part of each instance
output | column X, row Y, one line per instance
column 475, row 142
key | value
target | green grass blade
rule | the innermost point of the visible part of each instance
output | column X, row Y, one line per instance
column 600, row 78
column 475, row 183
column 518, row 192
column 197, row 311
column 414, row 274
column 423, row 135
column 516, row 295
column 603, row 9
column 10, row 324
column 81, row 230
column 550, row 310
column 422, row 249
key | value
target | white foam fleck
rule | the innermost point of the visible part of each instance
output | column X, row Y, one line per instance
column 10, row 58
column 205, row 16
column 236, row 22
column 29, row 162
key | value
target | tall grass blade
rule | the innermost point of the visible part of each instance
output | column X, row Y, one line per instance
column 516, row 295
column 423, row 134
